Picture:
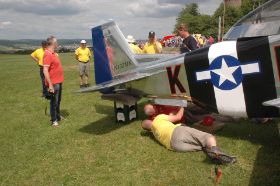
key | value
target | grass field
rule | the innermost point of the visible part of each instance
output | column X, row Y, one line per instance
column 90, row 149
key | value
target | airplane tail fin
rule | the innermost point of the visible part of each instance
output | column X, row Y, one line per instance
column 112, row 54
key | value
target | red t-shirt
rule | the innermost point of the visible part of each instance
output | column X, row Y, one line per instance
column 51, row 59
column 164, row 109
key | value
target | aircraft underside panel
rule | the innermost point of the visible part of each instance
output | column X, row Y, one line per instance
column 234, row 77
column 170, row 82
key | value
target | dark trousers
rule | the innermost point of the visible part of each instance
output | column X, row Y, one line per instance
column 55, row 103
column 44, row 87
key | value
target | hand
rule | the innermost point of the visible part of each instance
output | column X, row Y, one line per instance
column 155, row 40
column 51, row 88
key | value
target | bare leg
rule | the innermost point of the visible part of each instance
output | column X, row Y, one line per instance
column 86, row 79
column 211, row 142
column 81, row 80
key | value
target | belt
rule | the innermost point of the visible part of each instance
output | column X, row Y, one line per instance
column 83, row 62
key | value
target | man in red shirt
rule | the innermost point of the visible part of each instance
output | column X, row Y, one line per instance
column 54, row 76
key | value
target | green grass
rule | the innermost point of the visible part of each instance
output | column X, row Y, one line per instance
column 90, row 149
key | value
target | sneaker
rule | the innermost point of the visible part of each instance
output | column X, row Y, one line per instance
column 219, row 157
column 82, row 86
column 55, row 124
column 86, row 85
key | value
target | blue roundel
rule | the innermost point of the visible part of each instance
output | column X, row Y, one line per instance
column 226, row 73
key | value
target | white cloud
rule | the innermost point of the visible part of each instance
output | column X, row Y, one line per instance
column 37, row 19
column 168, row 8
column 5, row 24
column 46, row 7
column 153, row 8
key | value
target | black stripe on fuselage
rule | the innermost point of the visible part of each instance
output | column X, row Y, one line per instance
column 277, row 57
column 259, row 87
column 201, row 92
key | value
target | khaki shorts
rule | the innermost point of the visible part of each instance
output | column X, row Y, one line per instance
column 84, row 68
column 185, row 139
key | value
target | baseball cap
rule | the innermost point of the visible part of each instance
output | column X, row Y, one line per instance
column 83, row 41
column 152, row 34
column 130, row 39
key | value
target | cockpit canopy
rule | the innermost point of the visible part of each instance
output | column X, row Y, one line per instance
column 263, row 21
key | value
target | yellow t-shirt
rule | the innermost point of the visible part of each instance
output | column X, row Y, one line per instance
column 151, row 48
column 135, row 49
column 39, row 54
column 163, row 129
column 83, row 54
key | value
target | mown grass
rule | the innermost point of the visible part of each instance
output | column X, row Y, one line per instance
column 90, row 149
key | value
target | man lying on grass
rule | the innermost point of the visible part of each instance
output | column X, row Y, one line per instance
column 185, row 139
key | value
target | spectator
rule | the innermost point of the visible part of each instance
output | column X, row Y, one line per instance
column 37, row 56
column 152, row 46
column 133, row 46
column 211, row 40
column 141, row 46
column 83, row 55
column 54, row 77
column 189, row 42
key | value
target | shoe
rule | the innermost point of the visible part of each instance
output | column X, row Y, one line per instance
column 55, row 124
column 219, row 157
column 82, row 86
column 86, row 85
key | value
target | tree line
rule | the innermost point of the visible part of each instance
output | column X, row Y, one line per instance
column 207, row 25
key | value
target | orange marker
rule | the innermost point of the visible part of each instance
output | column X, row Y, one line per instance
column 218, row 172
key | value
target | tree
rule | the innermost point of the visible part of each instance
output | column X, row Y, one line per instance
column 232, row 15
column 208, row 25
column 196, row 22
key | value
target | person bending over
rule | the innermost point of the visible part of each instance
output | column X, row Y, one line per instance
column 183, row 138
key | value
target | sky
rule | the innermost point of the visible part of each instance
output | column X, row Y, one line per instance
column 72, row 19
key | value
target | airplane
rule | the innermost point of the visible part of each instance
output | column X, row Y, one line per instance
column 238, row 77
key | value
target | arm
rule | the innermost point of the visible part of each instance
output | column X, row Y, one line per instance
column 89, row 53
column 77, row 58
column 33, row 56
column 177, row 117
column 35, row 59
column 77, row 55
column 158, row 47
column 48, row 79
column 145, row 51
column 193, row 44
column 46, row 66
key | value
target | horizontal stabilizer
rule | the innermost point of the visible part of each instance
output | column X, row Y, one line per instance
column 121, row 98
column 274, row 102
column 118, row 81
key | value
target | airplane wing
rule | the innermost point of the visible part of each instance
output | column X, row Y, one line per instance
column 119, row 81
column 144, row 58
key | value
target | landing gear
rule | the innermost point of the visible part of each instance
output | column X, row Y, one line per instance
column 125, row 113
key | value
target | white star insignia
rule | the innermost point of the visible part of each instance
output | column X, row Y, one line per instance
column 226, row 73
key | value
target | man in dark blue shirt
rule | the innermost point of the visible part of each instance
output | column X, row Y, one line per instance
column 189, row 42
